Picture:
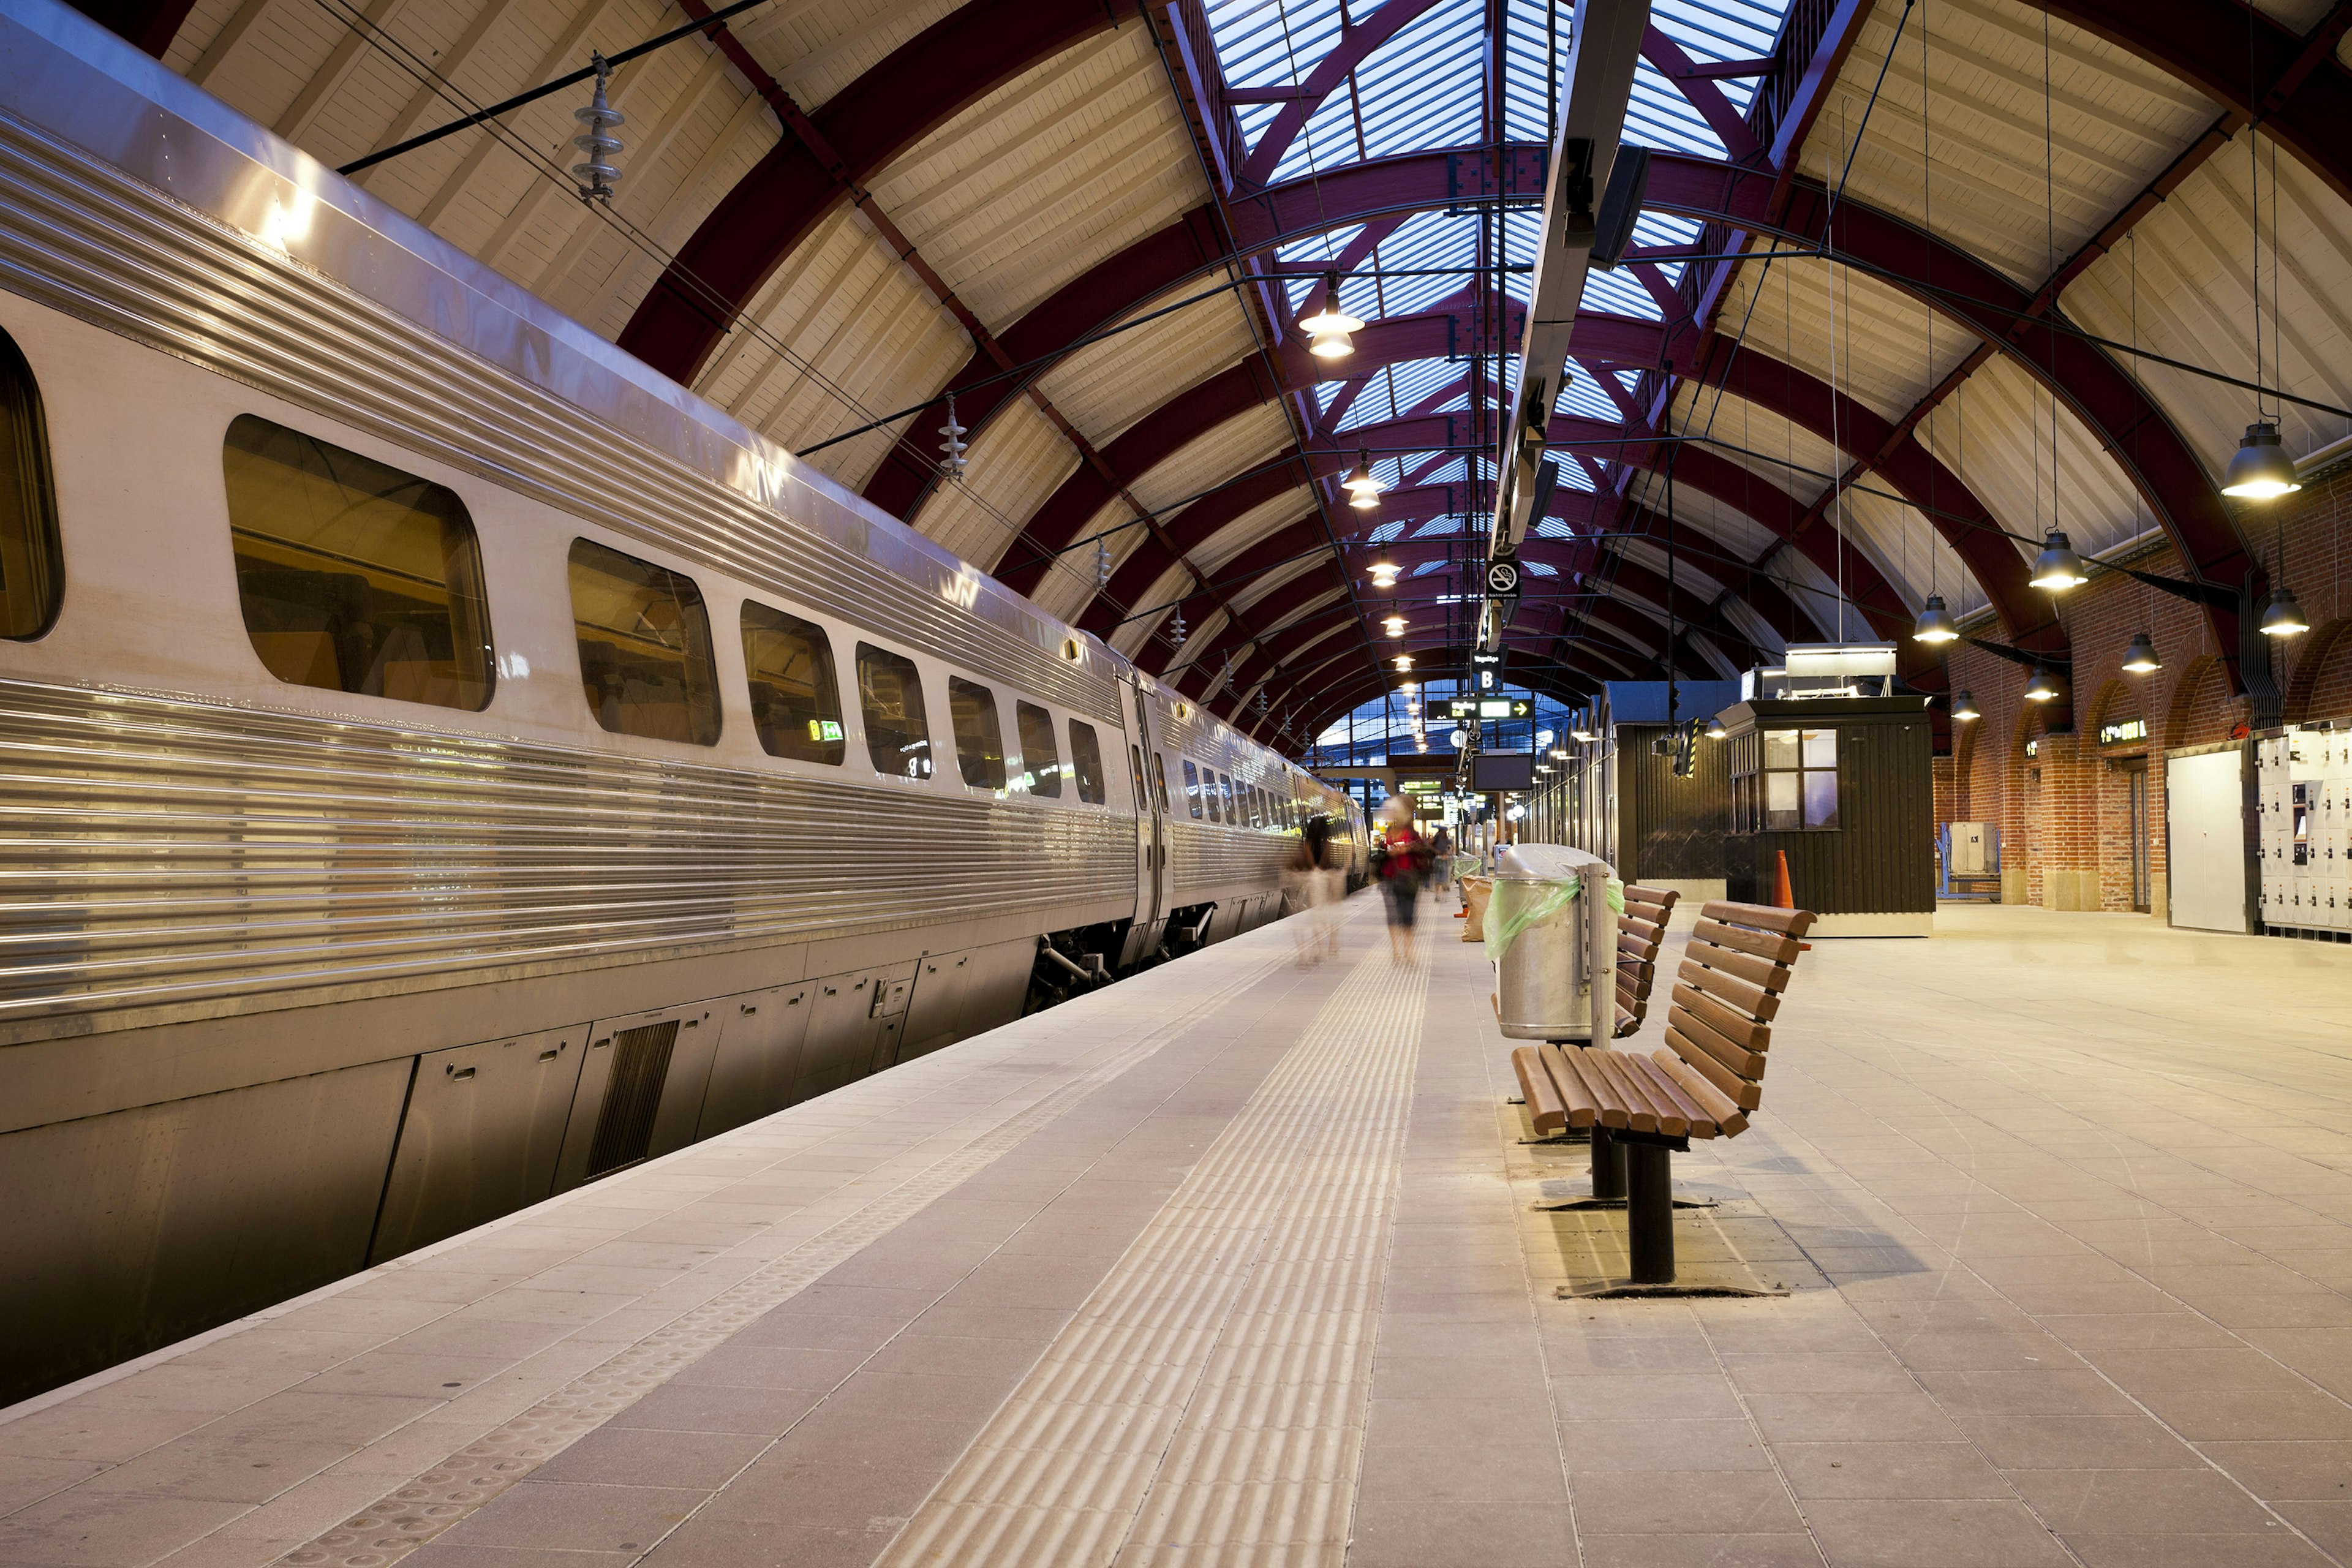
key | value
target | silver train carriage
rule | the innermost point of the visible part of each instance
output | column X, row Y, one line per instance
column 446, row 761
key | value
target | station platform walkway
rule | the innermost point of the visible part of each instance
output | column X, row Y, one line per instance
column 1245, row 1262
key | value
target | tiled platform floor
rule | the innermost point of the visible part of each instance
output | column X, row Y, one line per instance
column 1239, row 1262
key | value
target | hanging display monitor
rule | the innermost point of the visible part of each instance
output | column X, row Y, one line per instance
column 1503, row 770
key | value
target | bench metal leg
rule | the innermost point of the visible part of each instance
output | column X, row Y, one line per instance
column 1648, row 1212
column 1607, row 1165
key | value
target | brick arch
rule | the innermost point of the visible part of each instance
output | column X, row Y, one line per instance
column 2321, row 686
column 2201, row 710
column 2104, row 706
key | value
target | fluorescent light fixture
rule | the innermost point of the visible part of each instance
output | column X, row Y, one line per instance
column 1839, row 658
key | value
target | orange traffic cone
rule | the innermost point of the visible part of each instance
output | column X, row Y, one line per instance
column 1782, row 897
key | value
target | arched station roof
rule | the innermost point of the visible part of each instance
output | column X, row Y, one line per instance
column 1865, row 347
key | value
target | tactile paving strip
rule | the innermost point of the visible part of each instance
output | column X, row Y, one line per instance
column 1207, row 1404
column 414, row 1514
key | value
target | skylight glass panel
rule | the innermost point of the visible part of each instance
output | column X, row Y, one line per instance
column 1619, row 293
column 1541, row 569
column 1584, row 400
column 1422, row 88
column 1554, row 528
column 1426, row 567
column 1438, row 528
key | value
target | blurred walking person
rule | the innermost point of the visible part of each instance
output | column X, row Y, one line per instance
column 1405, row 861
column 1306, row 880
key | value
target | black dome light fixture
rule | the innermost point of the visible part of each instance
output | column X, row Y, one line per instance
column 1964, row 706
column 1935, row 624
column 2139, row 657
column 2260, row 468
column 2282, row 616
column 2043, row 687
column 2058, row 568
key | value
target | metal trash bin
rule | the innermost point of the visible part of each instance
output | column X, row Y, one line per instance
column 1551, row 932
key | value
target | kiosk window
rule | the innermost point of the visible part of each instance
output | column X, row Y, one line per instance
column 795, row 701
column 353, row 576
column 979, row 740
column 1041, row 764
column 1800, row 780
column 644, row 647
column 897, row 726
column 1086, row 761
column 32, row 562
column 1192, row 789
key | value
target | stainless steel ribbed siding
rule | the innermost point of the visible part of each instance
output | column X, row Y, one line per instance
column 1206, row 859
column 83, row 239
column 156, row 852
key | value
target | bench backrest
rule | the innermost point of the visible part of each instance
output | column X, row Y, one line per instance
column 1725, row 997
column 1640, row 931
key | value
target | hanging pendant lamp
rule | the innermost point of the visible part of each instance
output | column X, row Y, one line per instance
column 1964, row 707
column 2283, row 618
column 2043, row 687
column 1714, row 729
column 2260, row 470
column 1935, row 623
column 1363, row 490
column 1327, row 326
column 1384, row 575
column 1395, row 624
column 2139, row 657
column 2058, row 568
column 1404, row 661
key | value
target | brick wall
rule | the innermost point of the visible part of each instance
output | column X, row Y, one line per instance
column 2064, row 813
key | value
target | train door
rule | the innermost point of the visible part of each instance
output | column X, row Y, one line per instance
column 1151, row 834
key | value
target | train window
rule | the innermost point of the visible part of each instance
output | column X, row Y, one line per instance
column 1041, row 764
column 1086, row 760
column 1135, row 771
column 32, row 562
column 795, row 701
column 1192, row 790
column 352, row 576
column 979, row 741
column 1159, row 782
column 644, row 647
column 897, row 726
column 1226, row 783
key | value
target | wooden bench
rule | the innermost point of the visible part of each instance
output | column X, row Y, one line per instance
column 1640, row 932
column 1704, row 1083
